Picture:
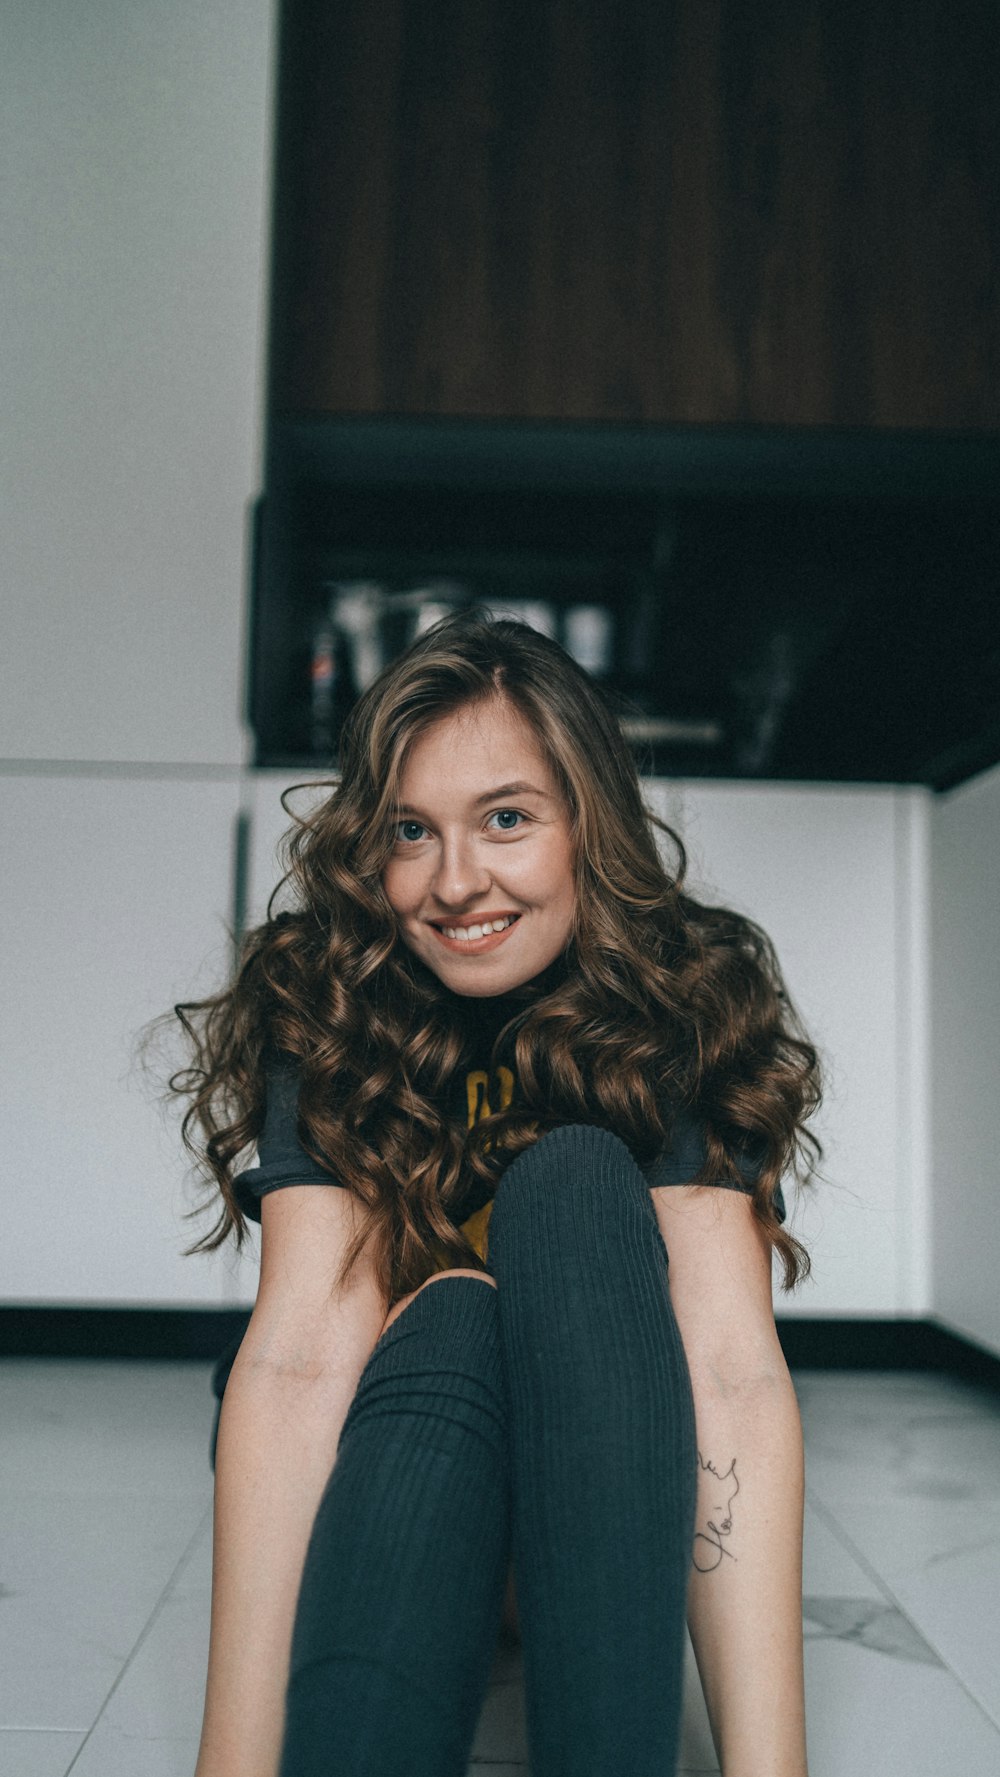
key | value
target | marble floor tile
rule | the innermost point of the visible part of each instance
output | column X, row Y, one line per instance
column 869, row 1712
column 941, row 1562
column 828, row 1567
column 193, row 1578
column 79, row 1578
column 73, row 1426
column 899, row 1437
column 105, row 1578
column 25, row 1753
column 110, row 1752
column 866, row 1622
column 162, row 1690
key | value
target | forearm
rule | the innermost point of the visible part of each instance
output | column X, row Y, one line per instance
column 745, row 1588
column 278, row 1436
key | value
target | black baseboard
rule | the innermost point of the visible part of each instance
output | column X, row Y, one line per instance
column 200, row 1334
column 820, row 1344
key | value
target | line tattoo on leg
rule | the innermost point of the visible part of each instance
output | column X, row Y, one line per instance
column 720, row 1494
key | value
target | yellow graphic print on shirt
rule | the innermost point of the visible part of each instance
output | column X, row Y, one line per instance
column 478, row 1082
column 477, row 1089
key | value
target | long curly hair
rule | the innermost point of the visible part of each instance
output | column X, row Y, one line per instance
column 658, row 1002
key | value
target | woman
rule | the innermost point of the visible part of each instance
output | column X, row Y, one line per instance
column 492, row 1017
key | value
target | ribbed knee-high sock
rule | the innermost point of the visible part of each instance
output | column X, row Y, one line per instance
column 603, row 1454
column 404, row 1578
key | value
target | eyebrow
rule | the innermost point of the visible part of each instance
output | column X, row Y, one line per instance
column 518, row 789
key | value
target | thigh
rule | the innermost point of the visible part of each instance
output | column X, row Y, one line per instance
column 404, row 1301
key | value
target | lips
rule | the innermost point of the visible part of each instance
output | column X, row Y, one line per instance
column 489, row 940
column 478, row 919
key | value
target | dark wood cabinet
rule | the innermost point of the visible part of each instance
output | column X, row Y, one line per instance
column 697, row 213
column 683, row 309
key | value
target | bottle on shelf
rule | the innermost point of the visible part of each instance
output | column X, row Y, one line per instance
column 332, row 690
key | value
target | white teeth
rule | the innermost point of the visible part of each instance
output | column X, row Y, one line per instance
column 470, row 933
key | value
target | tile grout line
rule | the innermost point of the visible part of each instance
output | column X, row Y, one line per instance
column 844, row 1538
column 145, row 1631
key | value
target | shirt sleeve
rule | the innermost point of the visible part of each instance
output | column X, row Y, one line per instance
column 685, row 1157
column 281, row 1158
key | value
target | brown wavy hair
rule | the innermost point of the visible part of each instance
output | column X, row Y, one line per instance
column 657, row 1002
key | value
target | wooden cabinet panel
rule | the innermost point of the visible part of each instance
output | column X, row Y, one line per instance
column 684, row 213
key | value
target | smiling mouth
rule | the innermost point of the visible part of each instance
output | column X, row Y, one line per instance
column 477, row 930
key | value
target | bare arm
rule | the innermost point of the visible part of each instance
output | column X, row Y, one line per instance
column 745, row 1586
column 285, row 1404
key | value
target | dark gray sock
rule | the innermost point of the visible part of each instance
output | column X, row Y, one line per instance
column 603, row 1454
column 404, row 1578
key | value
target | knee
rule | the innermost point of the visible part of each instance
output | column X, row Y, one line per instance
column 584, row 1156
column 589, row 1142
column 574, row 1181
column 404, row 1301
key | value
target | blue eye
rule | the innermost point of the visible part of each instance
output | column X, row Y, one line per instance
column 501, row 814
column 408, row 836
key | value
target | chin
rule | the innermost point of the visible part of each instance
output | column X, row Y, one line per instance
column 479, row 985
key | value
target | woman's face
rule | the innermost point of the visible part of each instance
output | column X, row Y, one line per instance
column 482, row 834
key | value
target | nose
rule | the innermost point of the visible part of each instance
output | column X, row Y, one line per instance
column 461, row 875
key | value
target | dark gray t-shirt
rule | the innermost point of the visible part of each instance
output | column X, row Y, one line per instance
column 473, row 1093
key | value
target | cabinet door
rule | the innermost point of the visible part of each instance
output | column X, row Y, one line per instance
column 696, row 213
column 828, row 872
column 118, row 892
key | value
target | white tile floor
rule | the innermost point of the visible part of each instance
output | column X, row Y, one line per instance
column 105, row 1554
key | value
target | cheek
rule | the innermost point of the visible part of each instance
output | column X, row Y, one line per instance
column 394, row 886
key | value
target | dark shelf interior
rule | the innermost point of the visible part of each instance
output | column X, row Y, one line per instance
column 827, row 612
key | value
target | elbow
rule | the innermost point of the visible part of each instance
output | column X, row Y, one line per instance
column 750, row 1373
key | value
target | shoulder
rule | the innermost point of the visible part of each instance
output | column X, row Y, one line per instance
column 686, row 1152
column 281, row 1158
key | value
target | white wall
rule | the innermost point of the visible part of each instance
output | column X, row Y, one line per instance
column 965, row 1043
column 135, row 138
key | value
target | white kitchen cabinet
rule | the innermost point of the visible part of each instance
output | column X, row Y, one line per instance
column 118, row 890
column 830, row 874
column 965, row 1044
column 119, row 894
